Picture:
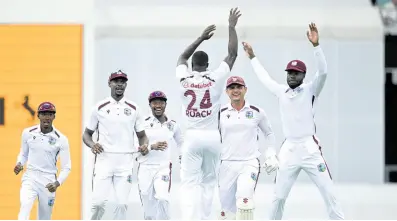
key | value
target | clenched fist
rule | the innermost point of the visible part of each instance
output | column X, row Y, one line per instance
column 143, row 149
column 52, row 187
column 97, row 148
column 18, row 168
column 159, row 146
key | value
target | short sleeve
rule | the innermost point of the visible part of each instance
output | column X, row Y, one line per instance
column 181, row 71
column 93, row 121
column 140, row 122
column 222, row 72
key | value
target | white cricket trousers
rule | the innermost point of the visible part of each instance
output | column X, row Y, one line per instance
column 199, row 169
column 111, row 171
column 33, row 187
column 154, row 183
column 293, row 157
column 237, row 179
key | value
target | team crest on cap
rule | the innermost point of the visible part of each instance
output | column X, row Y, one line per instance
column 249, row 114
column 234, row 79
column 127, row 111
column 294, row 63
column 51, row 141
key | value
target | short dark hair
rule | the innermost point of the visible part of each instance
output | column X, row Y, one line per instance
column 200, row 58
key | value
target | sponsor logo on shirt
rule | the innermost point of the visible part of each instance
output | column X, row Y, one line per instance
column 129, row 178
column 165, row 178
column 51, row 202
column 321, row 167
column 192, row 85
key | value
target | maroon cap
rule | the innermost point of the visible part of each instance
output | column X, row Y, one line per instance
column 46, row 107
column 157, row 94
column 235, row 80
column 296, row 65
column 118, row 74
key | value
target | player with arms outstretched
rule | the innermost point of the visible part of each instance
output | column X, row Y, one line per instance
column 201, row 91
column 301, row 149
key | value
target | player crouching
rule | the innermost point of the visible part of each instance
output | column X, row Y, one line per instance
column 240, row 165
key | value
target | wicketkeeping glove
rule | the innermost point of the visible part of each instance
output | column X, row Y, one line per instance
column 271, row 161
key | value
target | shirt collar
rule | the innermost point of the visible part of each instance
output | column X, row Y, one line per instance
column 299, row 88
column 113, row 101
column 155, row 120
column 52, row 132
column 197, row 74
column 246, row 105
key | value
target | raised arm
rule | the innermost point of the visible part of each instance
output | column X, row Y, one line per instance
column 262, row 74
column 321, row 74
column 181, row 66
column 187, row 53
column 66, row 163
column 232, row 46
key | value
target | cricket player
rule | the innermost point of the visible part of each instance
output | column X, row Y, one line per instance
column 240, row 123
column 40, row 148
column 154, row 170
column 201, row 91
column 115, row 119
column 301, row 149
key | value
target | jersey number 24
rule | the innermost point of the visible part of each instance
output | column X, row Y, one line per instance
column 205, row 102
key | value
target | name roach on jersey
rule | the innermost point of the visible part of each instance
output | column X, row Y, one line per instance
column 198, row 114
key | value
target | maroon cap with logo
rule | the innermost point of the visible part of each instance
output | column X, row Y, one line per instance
column 157, row 94
column 235, row 80
column 46, row 107
column 296, row 65
column 118, row 74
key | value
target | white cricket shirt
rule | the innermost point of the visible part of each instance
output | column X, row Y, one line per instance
column 200, row 94
column 40, row 152
column 296, row 105
column 160, row 132
column 240, row 132
column 116, row 123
